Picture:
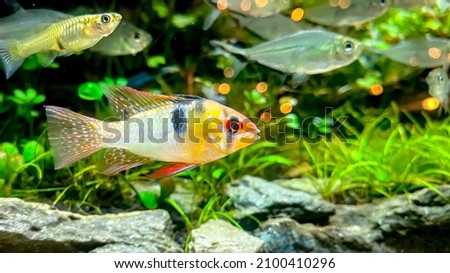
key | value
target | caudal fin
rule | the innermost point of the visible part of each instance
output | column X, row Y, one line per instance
column 72, row 136
column 9, row 63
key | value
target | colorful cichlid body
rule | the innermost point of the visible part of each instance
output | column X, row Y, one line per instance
column 182, row 130
column 58, row 39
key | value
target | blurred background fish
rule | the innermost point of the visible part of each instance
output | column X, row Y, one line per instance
column 350, row 13
column 155, row 128
column 59, row 39
column 439, row 86
column 125, row 40
column 253, row 8
column 305, row 52
column 424, row 53
column 345, row 13
column 272, row 27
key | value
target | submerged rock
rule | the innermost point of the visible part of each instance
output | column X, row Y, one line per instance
column 264, row 199
column 34, row 227
column 218, row 236
column 419, row 222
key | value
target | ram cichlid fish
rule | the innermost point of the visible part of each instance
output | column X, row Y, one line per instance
column 305, row 52
column 182, row 130
column 58, row 39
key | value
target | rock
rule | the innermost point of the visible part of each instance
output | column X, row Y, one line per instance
column 264, row 199
column 34, row 227
column 218, row 236
column 419, row 222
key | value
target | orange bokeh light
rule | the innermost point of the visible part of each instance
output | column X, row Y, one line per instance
column 376, row 89
column 222, row 4
column 224, row 88
column 246, row 5
column 434, row 52
column 297, row 14
column 286, row 108
column 261, row 87
column 265, row 116
column 228, row 72
column 430, row 104
column 261, row 3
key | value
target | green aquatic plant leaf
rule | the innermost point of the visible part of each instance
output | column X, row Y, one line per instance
column 31, row 150
column 155, row 61
column 90, row 91
column 182, row 20
column 149, row 200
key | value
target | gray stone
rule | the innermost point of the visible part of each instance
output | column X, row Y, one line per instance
column 34, row 227
column 218, row 236
column 419, row 222
column 256, row 196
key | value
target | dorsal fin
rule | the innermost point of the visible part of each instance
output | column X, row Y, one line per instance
column 127, row 100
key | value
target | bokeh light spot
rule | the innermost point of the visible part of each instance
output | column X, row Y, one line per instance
column 222, row 4
column 430, row 104
column 434, row 52
column 286, row 108
column 224, row 88
column 297, row 14
column 228, row 72
column 376, row 89
column 265, row 116
column 261, row 87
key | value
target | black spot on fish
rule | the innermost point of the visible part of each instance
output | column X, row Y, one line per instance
column 190, row 97
column 60, row 45
column 179, row 120
column 126, row 114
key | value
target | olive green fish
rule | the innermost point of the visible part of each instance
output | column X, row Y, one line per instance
column 58, row 39
column 126, row 39
column 423, row 53
column 439, row 85
column 305, row 52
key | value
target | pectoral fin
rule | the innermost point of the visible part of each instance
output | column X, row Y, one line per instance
column 46, row 58
column 171, row 169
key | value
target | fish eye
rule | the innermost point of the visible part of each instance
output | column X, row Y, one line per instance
column 137, row 36
column 105, row 18
column 233, row 125
column 383, row 2
column 440, row 78
column 348, row 46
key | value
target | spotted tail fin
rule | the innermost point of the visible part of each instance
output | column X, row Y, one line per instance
column 72, row 136
column 9, row 62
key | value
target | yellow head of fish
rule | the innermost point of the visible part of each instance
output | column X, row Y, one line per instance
column 215, row 131
column 101, row 25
